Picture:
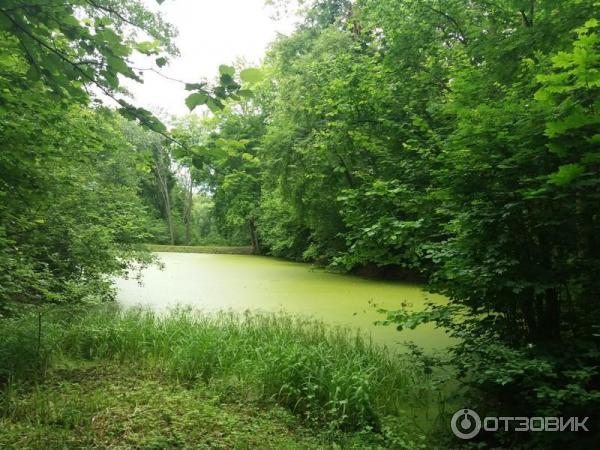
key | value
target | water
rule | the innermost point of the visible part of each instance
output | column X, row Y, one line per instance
column 240, row 283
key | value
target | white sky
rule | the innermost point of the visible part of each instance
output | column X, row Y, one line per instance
column 211, row 32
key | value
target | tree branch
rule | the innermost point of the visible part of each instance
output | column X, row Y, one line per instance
column 91, row 79
column 111, row 11
column 461, row 34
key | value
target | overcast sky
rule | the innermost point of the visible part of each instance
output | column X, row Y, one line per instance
column 211, row 32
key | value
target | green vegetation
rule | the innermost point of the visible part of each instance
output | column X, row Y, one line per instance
column 455, row 139
column 105, row 378
column 201, row 249
column 102, row 406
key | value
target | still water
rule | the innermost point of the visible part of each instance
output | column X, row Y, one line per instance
column 240, row 282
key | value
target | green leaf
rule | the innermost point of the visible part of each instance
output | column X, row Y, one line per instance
column 566, row 174
column 147, row 47
column 246, row 93
column 214, row 105
column 226, row 70
column 161, row 62
column 251, row 75
column 180, row 153
column 196, row 99
column 143, row 116
column 194, row 86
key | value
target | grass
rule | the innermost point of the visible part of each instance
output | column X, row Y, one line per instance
column 106, row 378
column 107, row 406
column 201, row 249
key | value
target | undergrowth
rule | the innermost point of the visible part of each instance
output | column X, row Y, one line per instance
column 332, row 380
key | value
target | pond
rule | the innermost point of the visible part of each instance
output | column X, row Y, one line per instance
column 241, row 282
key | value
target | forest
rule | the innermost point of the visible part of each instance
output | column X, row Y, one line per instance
column 455, row 143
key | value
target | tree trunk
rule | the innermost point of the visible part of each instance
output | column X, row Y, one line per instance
column 552, row 315
column 188, row 205
column 254, row 237
column 167, row 200
column 164, row 190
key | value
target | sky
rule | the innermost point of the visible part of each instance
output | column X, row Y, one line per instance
column 211, row 32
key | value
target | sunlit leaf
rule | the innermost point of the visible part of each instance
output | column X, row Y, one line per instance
column 196, row 99
column 251, row 75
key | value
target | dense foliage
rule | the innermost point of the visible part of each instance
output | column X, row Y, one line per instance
column 70, row 212
column 457, row 139
column 81, row 189
column 69, row 209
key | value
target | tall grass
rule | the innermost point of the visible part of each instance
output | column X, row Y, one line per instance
column 329, row 376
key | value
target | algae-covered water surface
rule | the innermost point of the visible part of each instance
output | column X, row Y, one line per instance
column 249, row 283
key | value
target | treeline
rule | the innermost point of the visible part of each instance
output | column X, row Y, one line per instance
column 459, row 139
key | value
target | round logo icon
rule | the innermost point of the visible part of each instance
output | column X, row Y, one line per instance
column 465, row 423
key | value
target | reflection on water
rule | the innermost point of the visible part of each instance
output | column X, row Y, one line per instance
column 240, row 283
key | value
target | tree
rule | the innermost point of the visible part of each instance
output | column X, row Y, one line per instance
column 70, row 213
column 67, row 220
column 222, row 157
column 457, row 139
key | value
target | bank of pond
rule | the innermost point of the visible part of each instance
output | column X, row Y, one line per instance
column 224, row 351
column 99, row 378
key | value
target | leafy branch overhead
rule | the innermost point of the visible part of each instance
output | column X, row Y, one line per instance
column 228, row 88
column 81, row 48
column 72, row 45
